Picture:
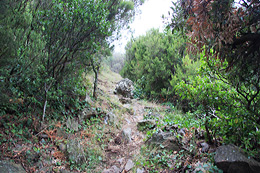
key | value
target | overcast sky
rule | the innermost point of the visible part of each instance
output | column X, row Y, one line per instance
column 151, row 17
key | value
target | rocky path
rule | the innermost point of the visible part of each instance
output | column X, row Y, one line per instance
column 121, row 152
column 125, row 146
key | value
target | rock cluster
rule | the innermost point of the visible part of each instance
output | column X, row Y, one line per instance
column 125, row 88
column 165, row 140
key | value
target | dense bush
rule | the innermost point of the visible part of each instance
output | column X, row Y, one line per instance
column 213, row 99
column 46, row 45
column 154, row 57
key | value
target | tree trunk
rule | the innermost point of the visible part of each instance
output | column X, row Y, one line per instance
column 45, row 102
column 95, row 84
column 96, row 70
column 210, row 140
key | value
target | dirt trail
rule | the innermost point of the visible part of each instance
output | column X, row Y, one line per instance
column 119, row 151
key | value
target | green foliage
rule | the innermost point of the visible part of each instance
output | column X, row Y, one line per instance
column 186, row 71
column 220, row 106
column 154, row 160
column 153, row 57
column 45, row 47
column 227, row 90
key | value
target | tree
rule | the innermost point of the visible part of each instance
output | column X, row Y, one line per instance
column 153, row 58
column 47, row 41
column 232, row 31
column 226, row 33
column 96, row 63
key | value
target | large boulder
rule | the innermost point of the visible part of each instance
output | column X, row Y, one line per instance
column 231, row 159
column 165, row 140
column 125, row 87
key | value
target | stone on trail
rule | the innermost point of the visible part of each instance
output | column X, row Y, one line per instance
column 146, row 124
column 126, row 134
column 129, row 165
column 111, row 118
column 120, row 161
column 125, row 87
column 140, row 170
column 230, row 159
column 165, row 140
column 113, row 169
column 125, row 100
column 86, row 114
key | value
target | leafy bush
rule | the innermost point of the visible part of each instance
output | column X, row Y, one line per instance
column 153, row 58
column 215, row 101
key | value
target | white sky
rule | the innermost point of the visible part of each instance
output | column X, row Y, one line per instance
column 150, row 17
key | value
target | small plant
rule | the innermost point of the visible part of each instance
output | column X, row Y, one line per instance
column 154, row 160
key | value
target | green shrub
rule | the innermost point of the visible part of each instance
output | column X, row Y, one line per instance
column 220, row 105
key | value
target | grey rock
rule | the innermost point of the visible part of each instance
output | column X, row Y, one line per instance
column 112, row 118
column 140, row 170
column 72, row 124
column 113, row 169
column 129, row 165
column 87, row 113
column 9, row 167
column 148, row 107
column 205, row 147
column 146, row 124
column 164, row 140
column 126, row 134
column 76, row 151
column 125, row 88
column 120, row 161
column 231, row 159
column 125, row 100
